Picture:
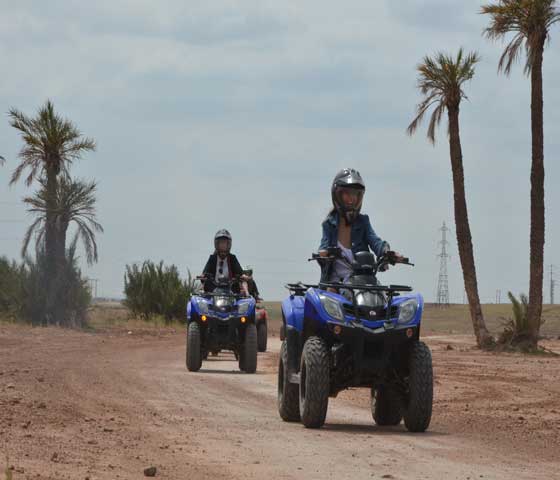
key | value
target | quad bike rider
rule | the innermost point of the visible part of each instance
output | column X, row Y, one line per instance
column 222, row 316
column 222, row 264
column 350, row 331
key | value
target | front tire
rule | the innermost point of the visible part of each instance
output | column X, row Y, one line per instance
column 194, row 354
column 386, row 406
column 288, row 393
column 262, row 336
column 248, row 354
column 314, row 383
column 418, row 411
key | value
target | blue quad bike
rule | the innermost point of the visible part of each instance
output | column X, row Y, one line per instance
column 221, row 320
column 368, row 335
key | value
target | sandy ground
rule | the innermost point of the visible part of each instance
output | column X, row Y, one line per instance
column 106, row 405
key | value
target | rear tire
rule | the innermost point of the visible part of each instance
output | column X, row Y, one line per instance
column 314, row 383
column 418, row 411
column 386, row 406
column 262, row 336
column 288, row 393
column 248, row 356
column 194, row 354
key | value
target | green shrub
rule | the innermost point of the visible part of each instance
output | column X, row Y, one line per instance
column 24, row 296
column 155, row 289
column 12, row 278
column 516, row 328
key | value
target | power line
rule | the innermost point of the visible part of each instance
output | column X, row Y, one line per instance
column 443, row 285
column 498, row 296
column 552, row 283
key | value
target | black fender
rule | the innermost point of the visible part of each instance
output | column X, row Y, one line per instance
column 294, row 346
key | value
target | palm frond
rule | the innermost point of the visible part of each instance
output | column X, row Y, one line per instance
column 32, row 229
column 75, row 203
column 441, row 79
column 435, row 120
column 528, row 20
column 50, row 142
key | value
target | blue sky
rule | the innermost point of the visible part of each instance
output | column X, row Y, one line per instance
column 237, row 114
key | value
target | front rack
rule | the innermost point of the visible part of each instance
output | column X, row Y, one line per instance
column 374, row 288
column 229, row 295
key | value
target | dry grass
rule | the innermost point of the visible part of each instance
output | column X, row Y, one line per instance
column 453, row 319
column 456, row 318
column 108, row 315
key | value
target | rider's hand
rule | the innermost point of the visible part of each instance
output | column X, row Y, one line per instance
column 398, row 257
column 323, row 253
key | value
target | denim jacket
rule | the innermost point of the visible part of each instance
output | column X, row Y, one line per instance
column 363, row 236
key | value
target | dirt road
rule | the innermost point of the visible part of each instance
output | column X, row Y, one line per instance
column 108, row 405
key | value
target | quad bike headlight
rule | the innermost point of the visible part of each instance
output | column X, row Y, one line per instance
column 332, row 307
column 407, row 311
column 202, row 306
column 243, row 308
column 222, row 302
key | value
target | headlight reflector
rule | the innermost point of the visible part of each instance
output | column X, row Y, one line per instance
column 202, row 305
column 407, row 311
column 332, row 307
column 243, row 308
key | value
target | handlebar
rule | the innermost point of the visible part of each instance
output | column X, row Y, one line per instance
column 391, row 258
column 237, row 278
column 388, row 258
column 223, row 284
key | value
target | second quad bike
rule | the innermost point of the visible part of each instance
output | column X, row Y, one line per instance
column 221, row 320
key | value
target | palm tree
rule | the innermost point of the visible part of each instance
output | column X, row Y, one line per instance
column 75, row 203
column 51, row 145
column 529, row 21
column 441, row 81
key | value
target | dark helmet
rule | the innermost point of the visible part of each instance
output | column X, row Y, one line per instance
column 348, row 179
column 221, row 235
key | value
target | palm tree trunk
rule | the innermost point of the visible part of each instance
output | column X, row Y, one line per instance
column 464, row 240
column 537, row 197
column 50, row 245
column 61, row 230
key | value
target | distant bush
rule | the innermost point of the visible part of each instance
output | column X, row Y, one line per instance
column 24, row 293
column 12, row 277
column 155, row 289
